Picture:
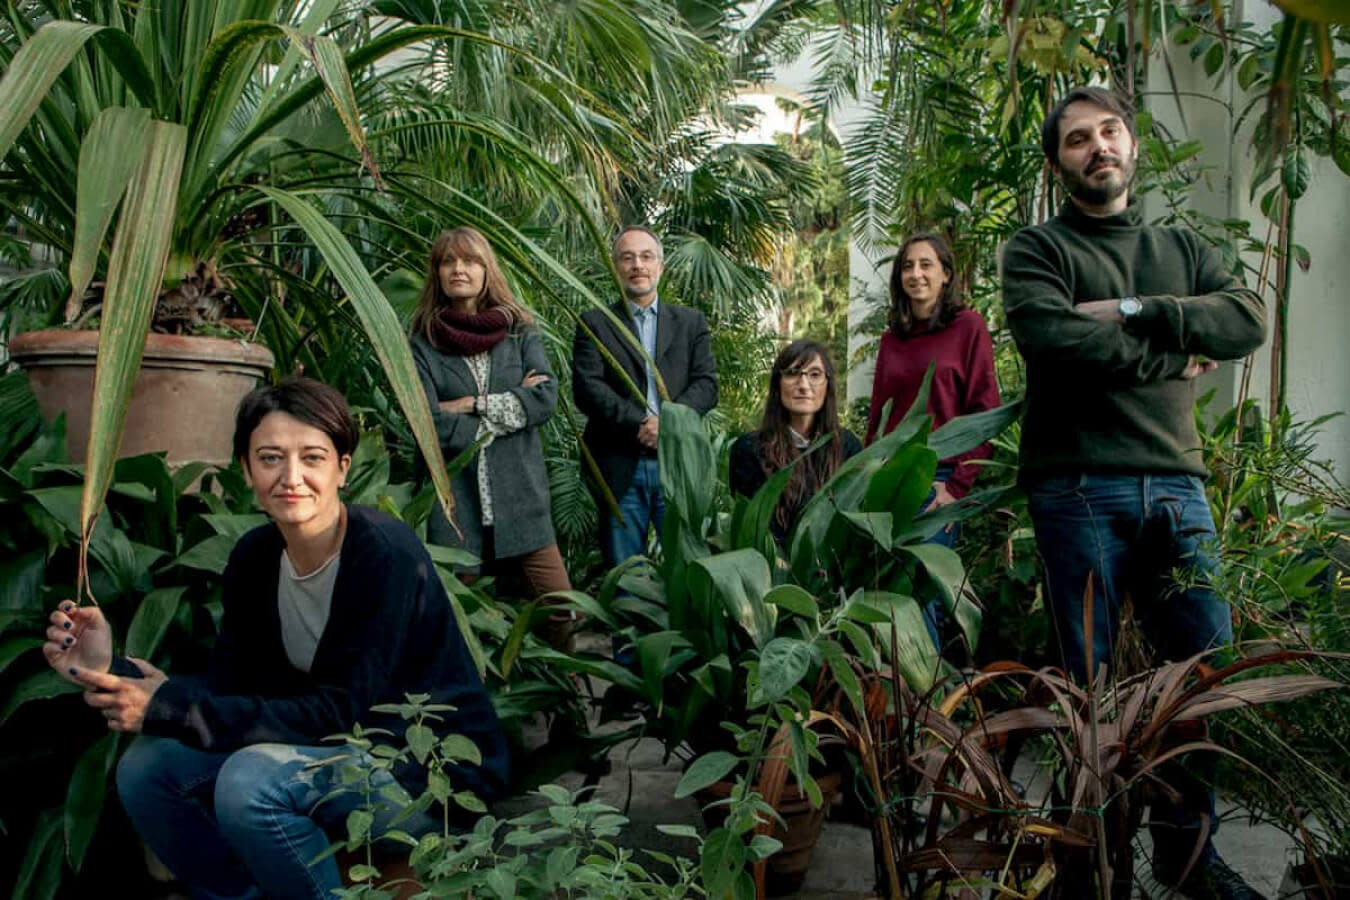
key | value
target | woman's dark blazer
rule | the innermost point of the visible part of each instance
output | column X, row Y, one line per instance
column 519, row 481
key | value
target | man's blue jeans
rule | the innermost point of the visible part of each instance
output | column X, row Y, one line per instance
column 245, row 824
column 642, row 506
column 1147, row 536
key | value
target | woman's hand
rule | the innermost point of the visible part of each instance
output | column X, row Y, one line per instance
column 458, row 405
column 78, row 636
column 941, row 496
column 121, row 700
column 533, row 378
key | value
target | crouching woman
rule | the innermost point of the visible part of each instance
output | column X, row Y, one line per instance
column 329, row 610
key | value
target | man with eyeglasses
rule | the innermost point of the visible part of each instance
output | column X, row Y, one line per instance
column 622, row 428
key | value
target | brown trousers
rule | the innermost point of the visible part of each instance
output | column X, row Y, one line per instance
column 538, row 572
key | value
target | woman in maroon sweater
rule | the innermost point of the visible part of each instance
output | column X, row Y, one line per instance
column 930, row 322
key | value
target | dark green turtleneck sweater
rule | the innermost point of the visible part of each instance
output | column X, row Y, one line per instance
column 1105, row 397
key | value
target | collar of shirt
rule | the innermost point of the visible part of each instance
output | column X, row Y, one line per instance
column 637, row 311
column 798, row 441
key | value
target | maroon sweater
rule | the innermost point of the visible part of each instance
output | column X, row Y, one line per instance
column 964, row 382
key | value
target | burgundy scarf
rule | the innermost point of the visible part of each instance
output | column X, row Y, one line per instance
column 461, row 334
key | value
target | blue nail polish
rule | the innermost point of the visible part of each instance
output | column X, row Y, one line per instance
column 73, row 672
column 65, row 625
column 69, row 641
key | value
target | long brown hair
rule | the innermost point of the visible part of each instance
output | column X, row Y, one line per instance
column 465, row 242
column 775, row 439
column 901, row 317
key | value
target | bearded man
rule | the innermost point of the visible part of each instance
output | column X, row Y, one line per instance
column 1116, row 319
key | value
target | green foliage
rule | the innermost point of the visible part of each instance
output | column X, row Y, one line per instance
column 566, row 846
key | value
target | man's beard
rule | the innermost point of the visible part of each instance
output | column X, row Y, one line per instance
column 1090, row 194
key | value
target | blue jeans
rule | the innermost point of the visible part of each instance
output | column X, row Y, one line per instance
column 1131, row 534
column 642, row 506
column 245, row 824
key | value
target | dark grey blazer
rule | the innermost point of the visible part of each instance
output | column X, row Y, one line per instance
column 683, row 357
column 519, row 482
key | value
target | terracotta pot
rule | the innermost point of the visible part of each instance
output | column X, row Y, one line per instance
column 183, row 402
column 786, row 869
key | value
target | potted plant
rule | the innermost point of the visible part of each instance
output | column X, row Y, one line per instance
column 190, row 142
column 720, row 626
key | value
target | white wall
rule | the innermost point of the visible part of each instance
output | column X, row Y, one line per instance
column 1319, row 323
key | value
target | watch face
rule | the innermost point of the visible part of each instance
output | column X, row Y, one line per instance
column 1130, row 306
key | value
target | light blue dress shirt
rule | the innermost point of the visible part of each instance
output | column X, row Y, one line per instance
column 646, row 328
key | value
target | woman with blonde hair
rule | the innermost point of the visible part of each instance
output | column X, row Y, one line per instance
column 486, row 375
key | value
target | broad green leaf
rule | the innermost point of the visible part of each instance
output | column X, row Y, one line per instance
column 842, row 670
column 794, row 599
column 11, row 648
column 586, row 604
column 782, row 665
column 382, row 327
column 901, row 485
column 707, row 769
column 458, row 748
column 963, row 433
column 21, row 582
column 358, row 826
column 40, row 876
column 944, row 568
column 688, row 464
column 421, row 740
column 721, row 861
column 502, row 883
column 42, row 59
column 762, row 846
column 328, row 62
column 684, row 831
column 653, row 652
column 100, row 184
column 560, row 863
column 152, row 620
column 519, row 628
column 38, row 686
column 135, row 275
column 210, row 555
column 915, row 655
column 742, row 579
column 84, row 797
column 600, row 668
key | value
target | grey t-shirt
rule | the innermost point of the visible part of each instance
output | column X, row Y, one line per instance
column 303, row 601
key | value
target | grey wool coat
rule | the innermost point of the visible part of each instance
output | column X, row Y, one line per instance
column 518, row 479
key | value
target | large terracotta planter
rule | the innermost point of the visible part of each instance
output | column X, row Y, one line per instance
column 183, row 402
column 787, row 868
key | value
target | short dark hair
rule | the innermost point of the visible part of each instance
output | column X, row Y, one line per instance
column 614, row 244
column 1100, row 97
column 310, row 401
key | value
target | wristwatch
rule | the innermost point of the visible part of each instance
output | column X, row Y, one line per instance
column 475, row 405
column 1130, row 307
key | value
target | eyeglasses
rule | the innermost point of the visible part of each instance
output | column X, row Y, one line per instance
column 814, row 377
column 646, row 257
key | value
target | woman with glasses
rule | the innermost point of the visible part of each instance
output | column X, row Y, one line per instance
column 489, row 382
column 930, row 323
column 802, row 406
